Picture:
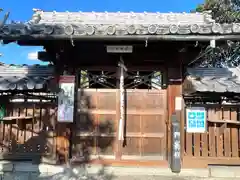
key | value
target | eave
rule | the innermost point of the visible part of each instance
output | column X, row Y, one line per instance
column 178, row 37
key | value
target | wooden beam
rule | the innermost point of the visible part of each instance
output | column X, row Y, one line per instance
column 154, row 54
column 203, row 162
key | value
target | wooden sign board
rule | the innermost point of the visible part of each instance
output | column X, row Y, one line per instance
column 66, row 99
column 119, row 49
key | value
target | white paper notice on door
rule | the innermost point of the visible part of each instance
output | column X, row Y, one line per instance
column 178, row 103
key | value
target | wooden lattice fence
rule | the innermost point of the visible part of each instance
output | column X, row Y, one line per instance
column 220, row 143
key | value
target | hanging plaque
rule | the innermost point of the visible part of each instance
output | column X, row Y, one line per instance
column 66, row 99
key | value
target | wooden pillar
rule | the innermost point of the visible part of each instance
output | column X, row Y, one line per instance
column 77, row 74
column 65, row 130
column 58, row 72
column 174, row 90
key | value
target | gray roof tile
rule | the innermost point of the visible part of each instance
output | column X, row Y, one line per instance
column 121, row 18
column 118, row 24
column 212, row 80
column 35, row 77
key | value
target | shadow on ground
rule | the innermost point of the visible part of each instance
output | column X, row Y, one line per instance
column 78, row 173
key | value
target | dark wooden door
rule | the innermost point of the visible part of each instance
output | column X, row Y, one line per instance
column 96, row 125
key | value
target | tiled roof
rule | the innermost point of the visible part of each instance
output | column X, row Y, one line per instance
column 23, row 77
column 212, row 80
column 118, row 24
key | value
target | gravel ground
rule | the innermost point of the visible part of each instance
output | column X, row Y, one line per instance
column 79, row 173
column 168, row 178
column 130, row 177
column 137, row 178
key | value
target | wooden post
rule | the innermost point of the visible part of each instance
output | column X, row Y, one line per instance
column 176, row 145
column 174, row 90
column 75, row 111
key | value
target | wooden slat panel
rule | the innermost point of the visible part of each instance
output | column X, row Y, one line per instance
column 86, row 122
column 204, row 144
column 83, row 147
column 219, row 135
column 227, row 136
column 100, row 120
column 106, row 101
column 106, row 124
column 189, row 144
column 196, row 144
column 133, row 123
column 105, row 145
column 152, row 124
column 234, row 134
column 96, row 121
column 144, row 122
column 222, row 139
column 151, row 103
column 13, row 131
column 152, row 147
column 50, row 145
column 23, row 138
column 37, row 120
column 20, row 136
column 147, row 122
column 132, row 147
column 211, row 135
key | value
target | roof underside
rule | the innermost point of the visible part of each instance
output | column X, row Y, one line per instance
column 90, row 24
column 212, row 80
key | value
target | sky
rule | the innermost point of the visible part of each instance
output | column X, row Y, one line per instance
column 21, row 10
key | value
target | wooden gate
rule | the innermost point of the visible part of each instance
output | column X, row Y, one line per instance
column 26, row 132
column 96, row 126
column 219, row 145
column 32, row 132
